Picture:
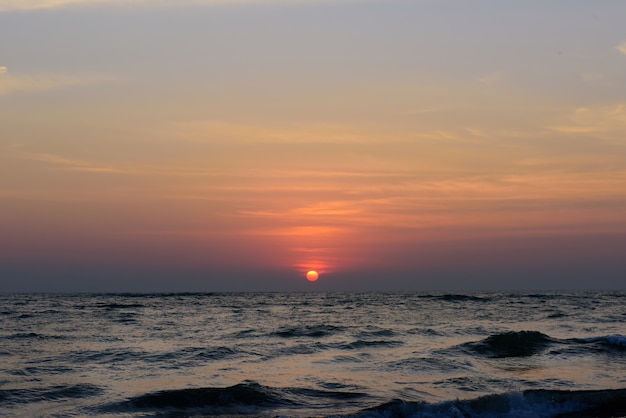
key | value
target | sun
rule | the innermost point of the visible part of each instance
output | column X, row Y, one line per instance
column 312, row 276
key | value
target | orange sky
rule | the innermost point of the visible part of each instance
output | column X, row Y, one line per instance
column 215, row 138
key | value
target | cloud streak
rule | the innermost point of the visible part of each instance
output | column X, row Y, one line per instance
column 12, row 84
column 29, row 5
column 622, row 47
column 607, row 121
column 492, row 79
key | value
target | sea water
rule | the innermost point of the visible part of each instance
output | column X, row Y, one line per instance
column 313, row 354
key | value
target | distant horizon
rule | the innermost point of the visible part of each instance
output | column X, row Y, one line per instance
column 338, row 284
column 425, row 292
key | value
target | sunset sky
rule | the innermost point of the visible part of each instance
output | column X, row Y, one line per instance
column 210, row 145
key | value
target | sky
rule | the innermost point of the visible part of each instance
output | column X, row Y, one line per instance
column 234, row 145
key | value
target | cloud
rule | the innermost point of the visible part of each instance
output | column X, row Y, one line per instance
column 622, row 47
column 74, row 165
column 426, row 110
column 203, row 131
column 12, row 84
column 11, row 5
column 591, row 77
column 491, row 79
column 608, row 122
column 59, row 162
column 25, row 5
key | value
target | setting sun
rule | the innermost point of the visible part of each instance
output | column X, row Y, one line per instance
column 312, row 276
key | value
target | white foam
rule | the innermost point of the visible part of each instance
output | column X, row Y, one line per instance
column 616, row 340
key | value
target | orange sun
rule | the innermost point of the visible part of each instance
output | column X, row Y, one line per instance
column 312, row 276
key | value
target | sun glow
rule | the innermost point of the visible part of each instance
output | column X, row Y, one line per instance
column 312, row 275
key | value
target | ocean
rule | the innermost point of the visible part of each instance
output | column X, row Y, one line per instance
column 313, row 355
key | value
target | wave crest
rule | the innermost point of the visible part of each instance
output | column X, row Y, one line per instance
column 247, row 397
column 311, row 331
column 530, row 403
column 511, row 344
column 610, row 342
column 242, row 394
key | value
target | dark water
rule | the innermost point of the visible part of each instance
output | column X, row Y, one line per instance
column 314, row 354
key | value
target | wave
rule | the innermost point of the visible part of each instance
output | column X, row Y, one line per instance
column 428, row 364
column 511, row 344
column 32, row 336
column 614, row 340
column 312, row 331
column 359, row 344
column 53, row 393
column 606, row 342
column 252, row 398
column 110, row 356
column 463, row 298
column 113, row 306
column 172, row 359
column 297, row 349
column 358, row 358
column 528, row 343
column 239, row 395
column 243, row 398
column 456, row 297
column 40, row 370
column 187, row 357
column 212, row 353
column 379, row 332
column 531, row 403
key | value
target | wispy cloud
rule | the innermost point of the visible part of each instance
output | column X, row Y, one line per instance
column 591, row 77
column 491, row 79
column 426, row 110
column 75, row 165
column 321, row 209
column 25, row 5
column 211, row 131
column 23, row 83
column 607, row 120
column 622, row 47
column 62, row 163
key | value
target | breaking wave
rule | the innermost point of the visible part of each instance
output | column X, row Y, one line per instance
column 529, row 343
column 530, row 403
column 252, row 398
column 511, row 344
column 243, row 398
column 610, row 342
